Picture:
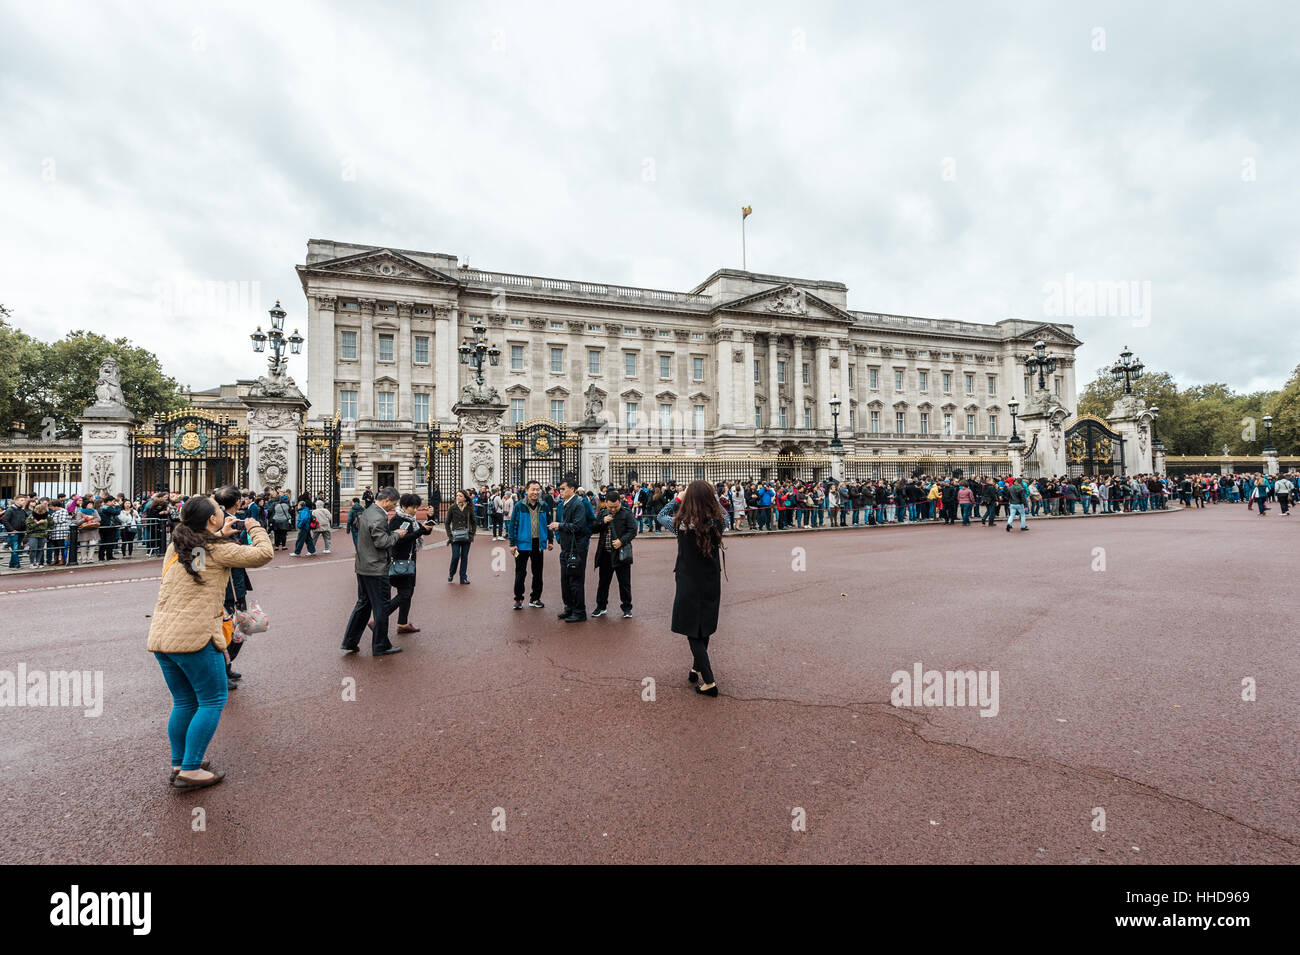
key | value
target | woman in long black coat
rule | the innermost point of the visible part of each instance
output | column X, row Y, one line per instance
column 698, row 520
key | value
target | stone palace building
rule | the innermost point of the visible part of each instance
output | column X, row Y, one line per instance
column 740, row 373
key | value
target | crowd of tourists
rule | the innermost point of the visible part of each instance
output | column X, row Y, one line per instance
column 781, row 505
column 64, row 531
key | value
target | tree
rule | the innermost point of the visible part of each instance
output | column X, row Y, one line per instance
column 1200, row 420
column 1155, row 388
column 1284, row 406
column 15, row 374
column 57, row 379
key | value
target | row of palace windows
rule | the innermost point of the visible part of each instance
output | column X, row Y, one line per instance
column 874, row 423
column 385, row 349
column 595, row 361
column 385, row 405
column 386, row 352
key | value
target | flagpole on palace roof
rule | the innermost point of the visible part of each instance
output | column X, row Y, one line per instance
column 744, row 214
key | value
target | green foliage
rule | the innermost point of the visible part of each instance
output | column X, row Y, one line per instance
column 57, row 379
column 1203, row 418
column 1284, row 406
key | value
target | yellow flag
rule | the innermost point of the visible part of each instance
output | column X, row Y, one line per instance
column 745, row 211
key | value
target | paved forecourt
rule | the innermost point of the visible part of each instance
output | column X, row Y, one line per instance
column 1119, row 648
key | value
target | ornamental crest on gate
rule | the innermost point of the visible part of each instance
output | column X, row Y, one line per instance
column 190, row 440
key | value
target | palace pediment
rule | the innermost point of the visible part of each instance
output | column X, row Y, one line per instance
column 381, row 264
column 788, row 301
column 1050, row 335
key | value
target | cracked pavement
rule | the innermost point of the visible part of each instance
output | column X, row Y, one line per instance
column 1120, row 691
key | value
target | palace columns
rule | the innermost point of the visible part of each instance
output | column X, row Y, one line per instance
column 823, row 413
column 366, row 398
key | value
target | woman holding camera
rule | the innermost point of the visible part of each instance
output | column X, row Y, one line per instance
column 401, row 572
column 187, row 635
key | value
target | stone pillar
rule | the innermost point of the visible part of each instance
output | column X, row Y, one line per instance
column 1017, row 455
column 822, row 414
column 1042, row 426
column 444, row 351
column 1130, row 418
column 593, row 464
column 480, row 428
column 1271, row 466
column 837, row 464
column 1158, row 460
column 405, row 409
column 747, row 417
column 320, row 350
column 797, row 389
column 773, row 388
column 841, row 387
column 724, row 358
column 275, row 422
column 366, row 397
column 106, row 462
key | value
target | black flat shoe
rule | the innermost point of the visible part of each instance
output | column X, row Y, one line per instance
column 388, row 652
column 710, row 690
column 563, row 613
column 347, row 649
column 692, row 676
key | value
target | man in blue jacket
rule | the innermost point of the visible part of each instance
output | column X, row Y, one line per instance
column 529, row 536
column 573, row 530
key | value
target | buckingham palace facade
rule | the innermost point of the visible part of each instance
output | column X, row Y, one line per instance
column 745, row 368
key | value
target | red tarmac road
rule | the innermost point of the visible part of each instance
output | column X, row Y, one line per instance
column 1119, row 690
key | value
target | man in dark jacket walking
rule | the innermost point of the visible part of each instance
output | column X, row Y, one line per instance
column 573, row 530
column 374, row 541
column 614, row 553
column 989, row 498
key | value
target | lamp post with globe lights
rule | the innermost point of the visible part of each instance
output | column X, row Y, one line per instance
column 276, row 336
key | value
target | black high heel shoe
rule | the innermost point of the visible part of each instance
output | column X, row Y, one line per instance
column 711, row 690
column 692, row 676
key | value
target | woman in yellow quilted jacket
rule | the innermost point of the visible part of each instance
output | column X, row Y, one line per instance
column 186, row 634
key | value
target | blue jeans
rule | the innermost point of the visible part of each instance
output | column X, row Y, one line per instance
column 459, row 555
column 15, row 548
column 965, row 513
column 304, row 538
column 1012, row 511
column 199, row 689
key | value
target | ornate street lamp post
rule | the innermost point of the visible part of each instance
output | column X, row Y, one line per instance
column 472, row 352
column 1128, row 370
column 1013, row 406
column 1268, row 435
column 1156, row 443
column 278, row 340
column 836, row 443
column 1041, row 361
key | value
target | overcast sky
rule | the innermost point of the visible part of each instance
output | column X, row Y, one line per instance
column 948, row 160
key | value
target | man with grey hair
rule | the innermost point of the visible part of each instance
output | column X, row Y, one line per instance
column 374, row 541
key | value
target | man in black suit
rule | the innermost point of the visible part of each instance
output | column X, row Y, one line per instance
column 573, row 529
